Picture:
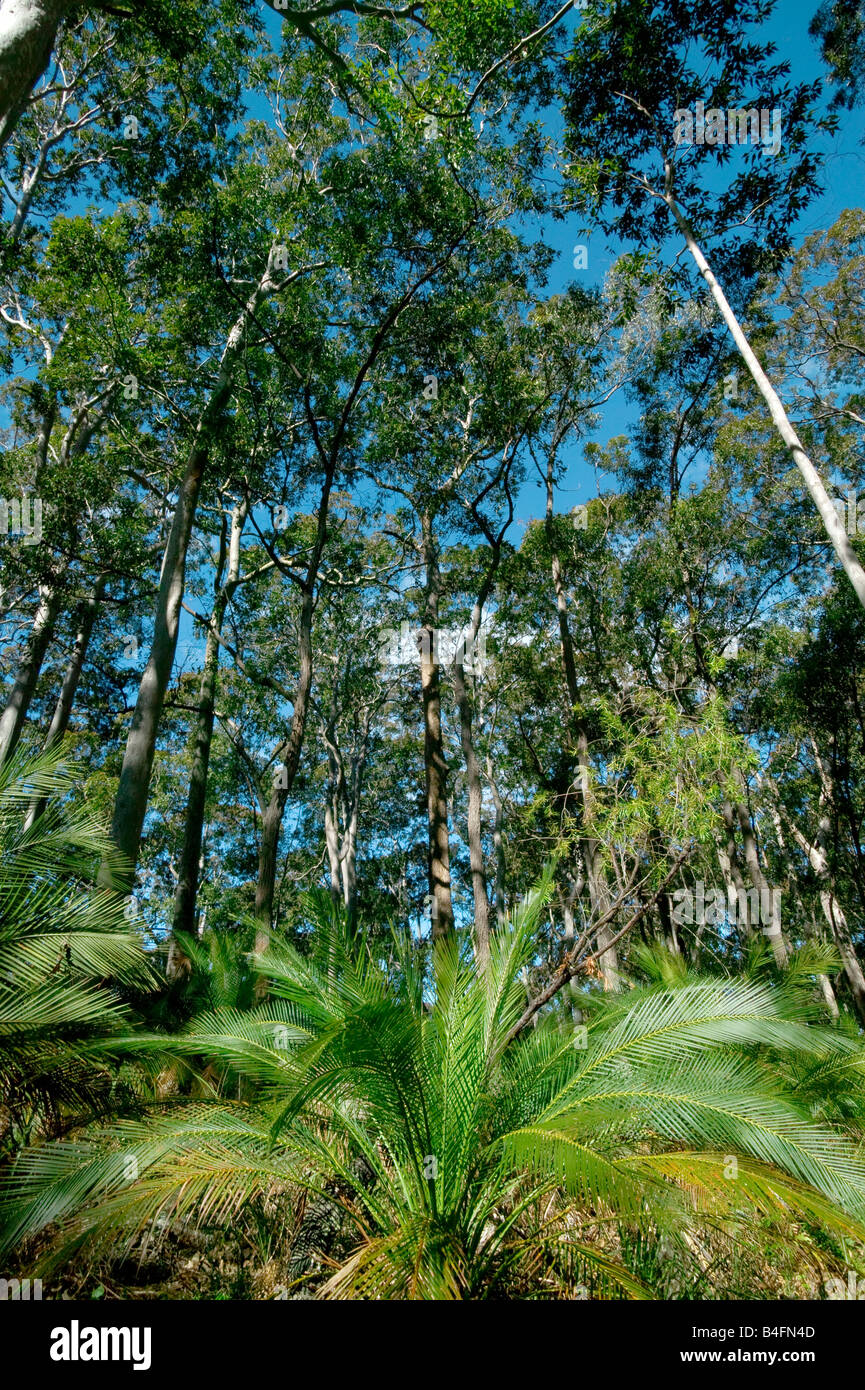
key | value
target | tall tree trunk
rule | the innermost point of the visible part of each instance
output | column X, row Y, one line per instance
column 598, row 887
column 812, row 930
column 288, row 755
column 190, row 857
column 132, row 794
column 814, row 483
column 772, row 928
column 68, row 690
column 71, row 678
column 728, row 858
column 342, row 811
column 349, row 845
column 833, row 912
column 13, row 716
column 28, row 31
column 271, row 820
column 476, row 851
column 130, row 804
column 441, row 904
column 469, row 643
column 331, row 829
column 498, row 842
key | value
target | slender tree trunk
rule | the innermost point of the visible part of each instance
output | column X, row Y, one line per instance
column 840, row 929
column 13, row 716
column 290, row 751
column 28, row 31
column 29, row 183
column 772, row 928
column 289, row 756
column 498, row 842
column 728, row 859
column 190, row 857
column 349, row 847
column 814, row 483
column 132, row 794
column 72, row 676
column 469, row 643
column 668, row 926
column 66, row 699
column 341, row 813
column 829, row 997
column 265, row 888
column 441, row 904
column 598, row 887
column 130, row 804
column 476, row 852
column 331, row 834
column 822, row 979
column 834, row 913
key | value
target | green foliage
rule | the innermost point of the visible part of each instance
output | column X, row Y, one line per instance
column 71, row 956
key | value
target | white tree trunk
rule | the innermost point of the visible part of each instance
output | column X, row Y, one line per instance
column 28, row 30
column 835, row 916
column 814, row 483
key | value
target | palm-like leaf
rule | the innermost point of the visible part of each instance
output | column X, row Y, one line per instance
column 462, row 1161
column 65, row 948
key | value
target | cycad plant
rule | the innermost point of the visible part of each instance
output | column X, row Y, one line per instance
column 67, row 954
column 445, row 1152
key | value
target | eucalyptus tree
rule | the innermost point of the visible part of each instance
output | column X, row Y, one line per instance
column 106, row 119
column 658, row 585
column 351, row 693
column 642, row 161
column 413, row 213
column 574, row 343
column 33, row 32
column 77, row 295
column 227, row 269
column 718, row 555
column 78, row 310
column 840, row 27
column 457, row 409
column 226, row 578
column 102, row 124
column 807, row 710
